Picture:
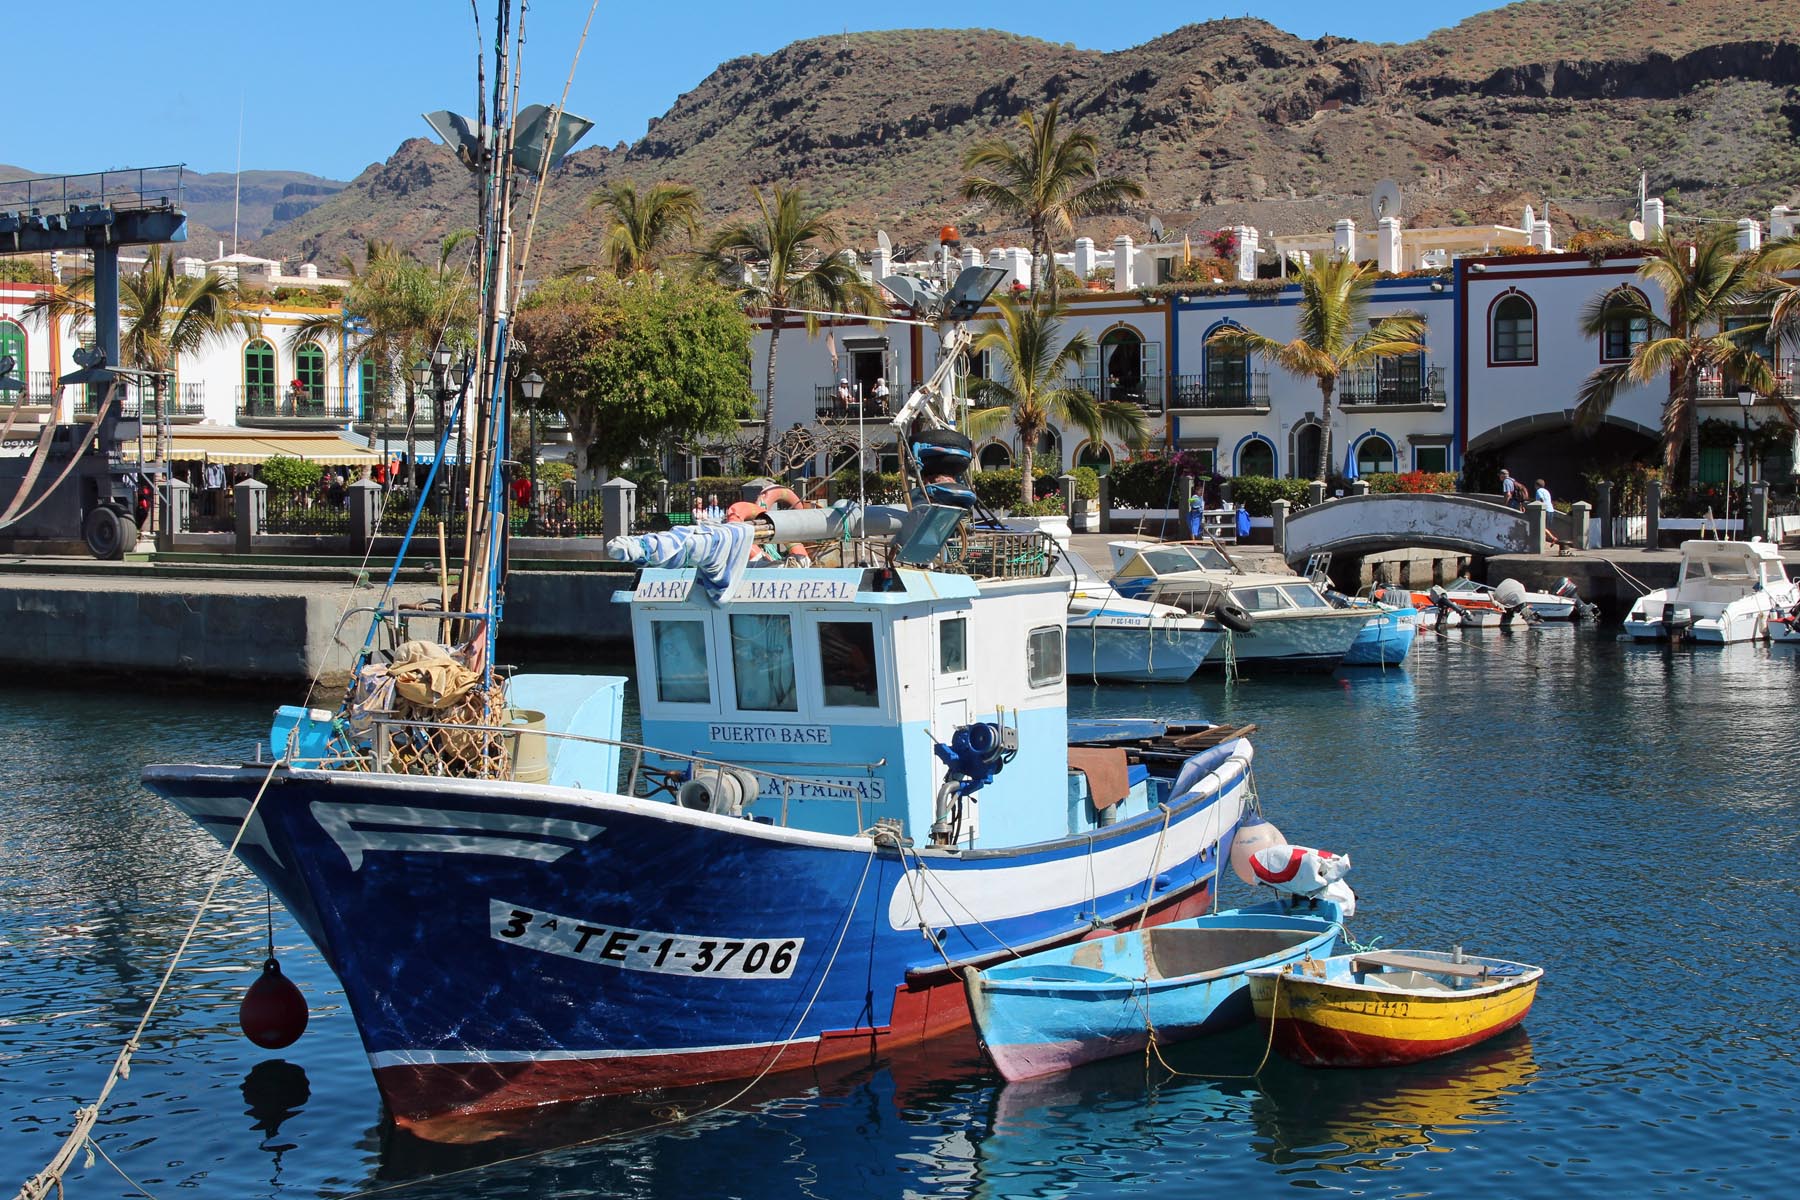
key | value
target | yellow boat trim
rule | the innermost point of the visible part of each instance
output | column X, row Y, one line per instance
column 1402, row 1016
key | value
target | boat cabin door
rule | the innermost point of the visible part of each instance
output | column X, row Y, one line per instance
column 952, row 690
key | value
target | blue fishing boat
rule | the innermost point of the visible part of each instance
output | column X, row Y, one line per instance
column 855, row 781
column 1388, row 637
column 1053, row 1010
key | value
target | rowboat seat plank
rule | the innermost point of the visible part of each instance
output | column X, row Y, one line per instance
column 1377, row 959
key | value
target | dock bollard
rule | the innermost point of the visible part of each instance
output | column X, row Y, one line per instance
column 1579, row 529
column 1537, row 526
column 1278, row 513
column 250, row 511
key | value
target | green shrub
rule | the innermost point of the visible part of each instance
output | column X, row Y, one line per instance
column 555, row 474
column 996, row 489
column 284, row 474
column 1257, row 493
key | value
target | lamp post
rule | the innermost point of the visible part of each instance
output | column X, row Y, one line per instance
column 1746, row 398
column 531, row 387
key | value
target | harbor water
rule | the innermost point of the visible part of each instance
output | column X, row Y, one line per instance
column 1624, row 816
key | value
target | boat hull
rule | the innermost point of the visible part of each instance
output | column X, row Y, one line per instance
column 1385, row 641
column 1060, row 1008
column 1320, row 1023
column 508, row 945
column 1306, row 641
column 1139, row 652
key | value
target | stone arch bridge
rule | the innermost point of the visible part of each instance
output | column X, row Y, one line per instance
column 1362, row 525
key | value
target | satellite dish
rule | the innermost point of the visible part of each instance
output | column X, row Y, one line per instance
column 1636, row 230
column 881, row 239
column 1385, row 200
column 1156, row 228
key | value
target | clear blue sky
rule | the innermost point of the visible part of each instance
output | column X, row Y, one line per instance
column 331, row 86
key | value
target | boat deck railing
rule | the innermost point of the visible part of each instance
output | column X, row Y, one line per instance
column 383, row 761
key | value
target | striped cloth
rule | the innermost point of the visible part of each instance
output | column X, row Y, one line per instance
column 718, row 553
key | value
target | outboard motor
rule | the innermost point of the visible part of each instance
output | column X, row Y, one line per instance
column 1583, row 610
column 1440, row 600
column 1677, row 619
column 944, row 457
column 1509, row 594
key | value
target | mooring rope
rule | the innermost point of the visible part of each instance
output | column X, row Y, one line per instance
column 40, row 1185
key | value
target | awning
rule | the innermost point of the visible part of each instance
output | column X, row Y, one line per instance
column 327, row 447
column 423, row 450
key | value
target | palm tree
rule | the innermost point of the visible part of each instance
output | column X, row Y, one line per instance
column 1048, row 183
column 788, row 257
column 397, row 310
column 1036, row 389
column 1782, row 295
column 1702, row 283
column 1335, row 335
column 642, row 226
column 164, row 314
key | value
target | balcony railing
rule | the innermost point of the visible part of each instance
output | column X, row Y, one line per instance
column 1146, row 392
column 257, row 404
column 1405, row 383
column 40, row 389
column 1250, row 390
column 390, row 413
column 828, row 406
column 1722, row 386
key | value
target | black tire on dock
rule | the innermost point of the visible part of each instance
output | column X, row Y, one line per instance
column 108, row 534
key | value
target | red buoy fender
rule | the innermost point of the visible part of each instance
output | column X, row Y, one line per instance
column 273, row 1013
column 780, row 497
column 743, row 510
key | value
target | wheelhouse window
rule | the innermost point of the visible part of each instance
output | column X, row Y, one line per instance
column 1044, row 656
column 847, row 664
column 1303, row 596
column 1261, row 599
column 762, row 663
column 1515, row 330
column 953, row 646
column 681, row 674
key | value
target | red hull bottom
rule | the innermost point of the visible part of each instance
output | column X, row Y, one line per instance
column 1317, row 1046
column 416, row 1094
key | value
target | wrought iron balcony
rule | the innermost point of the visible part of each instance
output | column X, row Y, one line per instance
column 1723, row 387
column 1223, row 390
column 259, row 404
column 40, row 390
column 1146, row 391
column 827, row 406
column 1403, row 382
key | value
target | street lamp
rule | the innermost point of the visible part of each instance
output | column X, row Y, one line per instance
column 531, row 387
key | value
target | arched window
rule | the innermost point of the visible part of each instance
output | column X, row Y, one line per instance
column 1048, row 451
column 1097, row 455
column 1122, row 364
column 1256, row 457
column 259, row 373
column 1514, row 339
column 309, row 369
column 1374, row 454
column 12, row 345
column 995, row 457
column 1306, row 451
column 1625, row 332
column 1227, row 375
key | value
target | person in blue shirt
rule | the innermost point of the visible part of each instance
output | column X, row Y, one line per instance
column 1196, row 515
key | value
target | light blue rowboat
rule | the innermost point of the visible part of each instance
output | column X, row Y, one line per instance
column 1047, row 1012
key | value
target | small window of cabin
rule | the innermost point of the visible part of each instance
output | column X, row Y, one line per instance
column 953, row 646
column 1044, row 656
column 681, row 674
column 762, row 663
column 847, row 666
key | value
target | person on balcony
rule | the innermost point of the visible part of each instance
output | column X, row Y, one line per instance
column 880, row 397
column 844, row 400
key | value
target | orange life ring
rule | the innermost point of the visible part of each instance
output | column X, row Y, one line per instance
column 780, row 496
column 743, row 510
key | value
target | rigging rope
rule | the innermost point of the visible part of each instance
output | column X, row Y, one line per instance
column 41, row 455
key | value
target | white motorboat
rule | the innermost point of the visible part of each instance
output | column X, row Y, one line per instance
column 1276, row 622
column 1725, row 592
column 1113, row 636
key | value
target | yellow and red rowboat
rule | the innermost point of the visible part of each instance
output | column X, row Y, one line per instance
column 1386, row 1007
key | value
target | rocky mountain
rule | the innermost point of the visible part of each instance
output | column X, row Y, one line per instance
column 1549, row 101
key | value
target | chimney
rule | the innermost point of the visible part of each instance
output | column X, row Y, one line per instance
column 1247, row 246
column 1653, row 218
column 1749, row 237
column 1084, row 257
column 1387, row 245
column 1540, row 234
column 1017, row 261
column 879, row 264
column 1122, row 263
column 1343, row 238
column 971, row 257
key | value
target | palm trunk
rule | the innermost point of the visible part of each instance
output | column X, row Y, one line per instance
column 1040, row 246
column 768, row 423
column 1327, row 385
column 1028, row 467
column 1691, row 381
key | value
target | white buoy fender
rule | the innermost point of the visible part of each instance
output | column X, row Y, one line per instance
column 1253, row 835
